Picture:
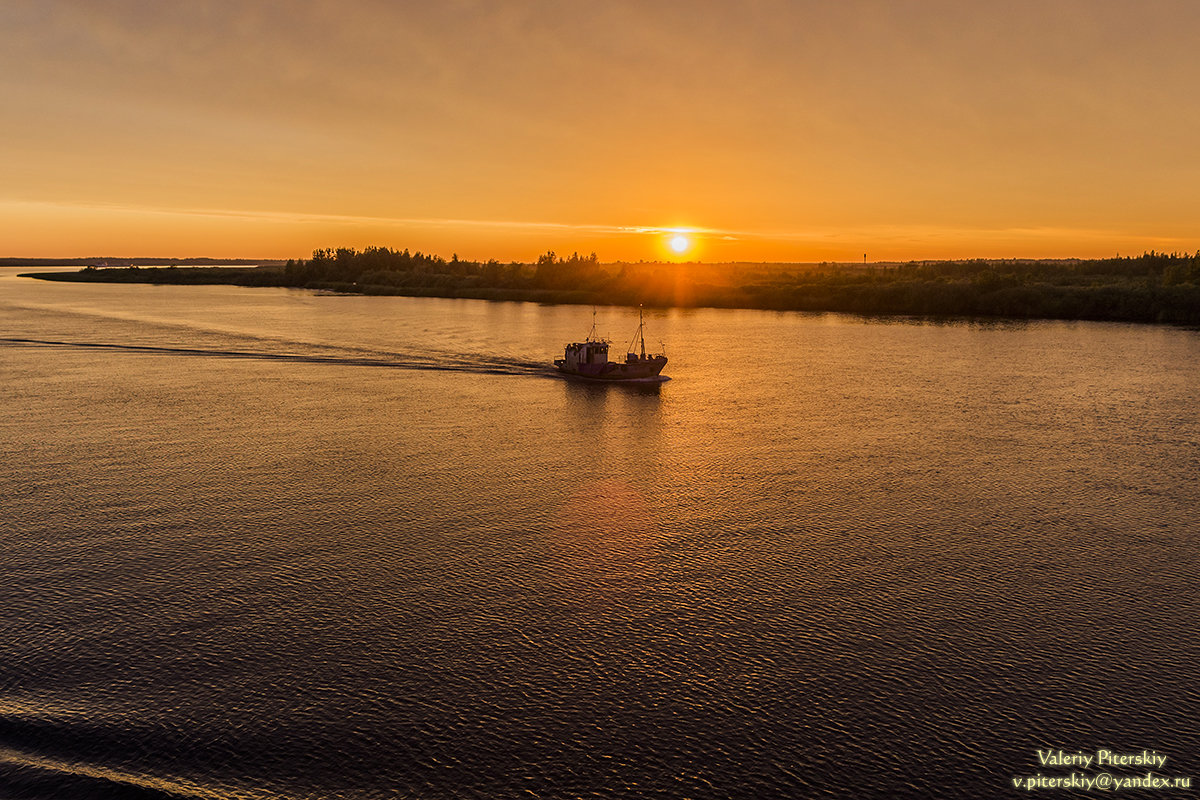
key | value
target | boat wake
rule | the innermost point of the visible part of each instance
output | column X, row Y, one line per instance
column 448, row 362
column 33, row 775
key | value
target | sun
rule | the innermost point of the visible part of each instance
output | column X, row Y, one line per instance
column 679, row 243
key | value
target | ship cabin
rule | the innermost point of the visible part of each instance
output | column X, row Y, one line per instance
column 593, row 351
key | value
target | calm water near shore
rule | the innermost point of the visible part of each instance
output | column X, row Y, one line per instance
column 263, row 543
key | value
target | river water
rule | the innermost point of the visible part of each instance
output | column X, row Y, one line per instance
column 266, row 543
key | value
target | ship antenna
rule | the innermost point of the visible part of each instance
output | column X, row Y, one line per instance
column 592, row 335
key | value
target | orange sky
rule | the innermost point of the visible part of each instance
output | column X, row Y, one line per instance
column 781, row 131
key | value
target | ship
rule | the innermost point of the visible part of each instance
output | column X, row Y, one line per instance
column 589, row 359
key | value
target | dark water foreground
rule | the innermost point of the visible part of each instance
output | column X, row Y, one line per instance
column 265, row 544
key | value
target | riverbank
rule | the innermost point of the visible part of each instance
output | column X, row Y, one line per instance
column 1156, row 288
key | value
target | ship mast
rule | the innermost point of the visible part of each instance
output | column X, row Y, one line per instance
column 641, row 332
column 641, row 336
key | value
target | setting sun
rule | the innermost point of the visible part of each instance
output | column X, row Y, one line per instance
column 679, row 244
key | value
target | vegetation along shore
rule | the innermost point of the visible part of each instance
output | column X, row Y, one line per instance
column 1153, row 287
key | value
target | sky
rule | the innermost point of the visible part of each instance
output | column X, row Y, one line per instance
column 757, row 131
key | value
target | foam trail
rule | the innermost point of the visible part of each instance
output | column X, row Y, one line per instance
column 488, row 365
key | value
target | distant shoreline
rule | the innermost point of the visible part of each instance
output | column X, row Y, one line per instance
column 1152, row 288
column 117, row 262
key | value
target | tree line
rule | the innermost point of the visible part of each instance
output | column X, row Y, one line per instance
column 1152, row 287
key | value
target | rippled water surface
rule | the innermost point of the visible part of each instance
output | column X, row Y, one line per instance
column 262, row 543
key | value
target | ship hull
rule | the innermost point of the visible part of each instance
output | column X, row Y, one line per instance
column 640, row 370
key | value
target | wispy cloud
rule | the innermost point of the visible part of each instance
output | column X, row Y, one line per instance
column 866, row 235
column 302, row 218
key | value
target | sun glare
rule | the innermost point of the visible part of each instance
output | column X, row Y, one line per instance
column 679, row 243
